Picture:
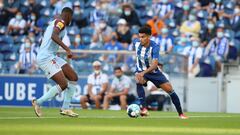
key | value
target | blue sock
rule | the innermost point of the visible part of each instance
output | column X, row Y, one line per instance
column 52, row 92
column 141, row 95
column 68, row 93
column 176, row 102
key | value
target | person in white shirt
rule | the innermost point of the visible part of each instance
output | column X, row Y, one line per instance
column 97, row 86
column 119, row 90
column 27, row 60
column 194, row 53
column 17, row 25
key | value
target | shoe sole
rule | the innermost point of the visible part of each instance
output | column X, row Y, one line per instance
column 33, row 105
column 63, row 114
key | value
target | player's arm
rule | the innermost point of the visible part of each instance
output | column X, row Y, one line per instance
column 58, row 27
column 152, row 67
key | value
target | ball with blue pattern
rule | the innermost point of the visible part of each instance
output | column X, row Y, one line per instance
column 133, row 110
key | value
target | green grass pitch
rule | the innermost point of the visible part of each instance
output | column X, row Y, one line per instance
column 22, row 121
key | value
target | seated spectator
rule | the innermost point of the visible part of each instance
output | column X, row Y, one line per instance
column 156, row 25
column 60, row 5
column 32, row 24
column 27, row 61
column 4, row 14
column 78, row 18
column 119, row 89
column 17, row 25
column 78, row 45
column 165, row 10
column 165, row 42
column 33, row 7
column 30, row 39
column 123, row 33
column 97, row 86
column 97, row 15
column 208, row 33
column 102, row 35
column 182, row 11
column 156, row 95
column 12, row 7
column 181, row 44
column 113, row 45
column 194, row 54
column 218, row 48
column 191, row 27
column 130, row 15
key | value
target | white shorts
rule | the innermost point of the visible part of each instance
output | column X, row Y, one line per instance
column 52, row 66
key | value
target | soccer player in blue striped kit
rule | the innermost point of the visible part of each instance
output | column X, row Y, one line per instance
column 147, row 55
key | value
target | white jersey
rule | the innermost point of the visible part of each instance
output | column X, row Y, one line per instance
column 97, row 82
column 49, row 48
column 119, row 84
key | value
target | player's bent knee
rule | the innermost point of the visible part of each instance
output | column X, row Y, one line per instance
column 63, row 85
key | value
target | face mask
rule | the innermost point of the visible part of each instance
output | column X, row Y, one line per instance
column 127, row 12
column 175, row 33
column 102, row 25
column 236, row 10
column 32, row 39
column 27, row 45
column 217, row 1
column 192, row 18
column 186, row 7
column 33, row 17
column 19, row 17
column 97, row 7
column 164, row 1
column 164, row 31
column 183, row 40
column 97, row 71
column 195, row 44
column 44, row 3
column 210, row 26
column 77, row 40
column 200, row 14
column 220, row 34
column 47, row 13
column 77, row 11
column 172, row 24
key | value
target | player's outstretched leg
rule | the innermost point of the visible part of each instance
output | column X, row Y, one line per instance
column 141, row 97
column 175, row 99
column 59, row 78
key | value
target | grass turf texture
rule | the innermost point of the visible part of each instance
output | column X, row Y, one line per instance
column 22, row 121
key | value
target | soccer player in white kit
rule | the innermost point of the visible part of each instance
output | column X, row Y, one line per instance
column 55, row 67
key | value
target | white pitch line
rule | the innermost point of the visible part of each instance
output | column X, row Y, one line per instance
column 114, row 117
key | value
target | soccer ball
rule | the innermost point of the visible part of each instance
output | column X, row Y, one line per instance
column 133, row 110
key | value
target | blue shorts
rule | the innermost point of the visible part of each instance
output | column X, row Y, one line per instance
column 156, row 78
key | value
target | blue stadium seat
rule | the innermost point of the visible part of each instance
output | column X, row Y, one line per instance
column 88, row 31
column 86, row 39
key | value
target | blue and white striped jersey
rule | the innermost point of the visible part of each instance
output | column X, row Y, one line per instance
column 145, row 56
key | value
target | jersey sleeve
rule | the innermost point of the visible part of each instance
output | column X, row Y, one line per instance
column 59, row 24
column 155, row 51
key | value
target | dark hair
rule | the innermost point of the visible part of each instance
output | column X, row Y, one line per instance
column 67, row 10
column 117, row 68
column 145, row 30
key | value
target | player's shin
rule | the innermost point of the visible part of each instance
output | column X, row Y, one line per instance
column 68, row 94
column 52, row 92
column 141, row 95
column 176, row 102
